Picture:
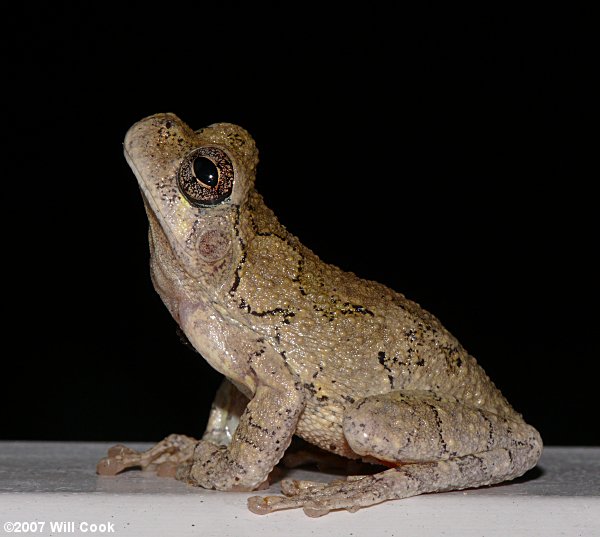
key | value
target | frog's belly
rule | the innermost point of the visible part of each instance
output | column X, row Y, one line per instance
column 321, row 425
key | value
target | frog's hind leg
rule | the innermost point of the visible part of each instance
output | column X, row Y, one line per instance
column 164, row 457
column 396, row 483
column 437, row 444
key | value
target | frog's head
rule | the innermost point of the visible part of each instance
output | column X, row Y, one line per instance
column 193, row 184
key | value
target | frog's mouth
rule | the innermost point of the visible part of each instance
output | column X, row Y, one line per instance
column 167, row 231
column 133, row 167
column 149, row 202
column 156, row 220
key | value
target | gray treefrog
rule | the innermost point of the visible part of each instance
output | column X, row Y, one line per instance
column 344, row 363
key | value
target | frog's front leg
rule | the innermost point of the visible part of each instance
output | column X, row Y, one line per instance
column 436, row 444
column 165, row 457
column 227, row 408
column 176, row 450
column 263, row 434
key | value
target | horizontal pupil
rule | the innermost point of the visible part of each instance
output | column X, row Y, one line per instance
column 206, row 172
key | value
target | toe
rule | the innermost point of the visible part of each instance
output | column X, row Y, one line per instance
column 109, row 466
column 315, row 509
column 261, row 505
column 121, row 451
column 292, row 487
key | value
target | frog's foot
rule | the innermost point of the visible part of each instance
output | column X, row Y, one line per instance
column 293, row 487
column 317, row 499
column 165, row 457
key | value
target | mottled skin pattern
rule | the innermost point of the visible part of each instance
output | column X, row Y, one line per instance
column 347, row 364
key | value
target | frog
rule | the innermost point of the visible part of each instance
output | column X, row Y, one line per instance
column 305, row 348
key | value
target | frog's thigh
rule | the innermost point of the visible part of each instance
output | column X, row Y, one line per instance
column 418, row 426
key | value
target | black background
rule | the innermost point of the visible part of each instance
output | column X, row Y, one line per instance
column 470, row 130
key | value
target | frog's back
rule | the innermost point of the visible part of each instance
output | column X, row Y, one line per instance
column 347, row 337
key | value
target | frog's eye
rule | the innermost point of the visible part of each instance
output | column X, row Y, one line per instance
column 205, row 176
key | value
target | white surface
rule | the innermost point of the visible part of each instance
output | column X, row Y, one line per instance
column 53, row 482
